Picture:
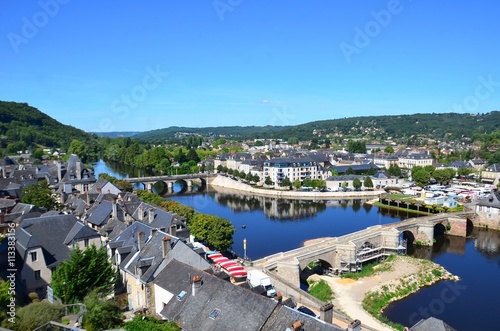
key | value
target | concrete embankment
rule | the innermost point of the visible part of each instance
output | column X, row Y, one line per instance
column 226, row 183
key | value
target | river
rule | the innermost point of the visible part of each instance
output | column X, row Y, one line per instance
column 272, row 225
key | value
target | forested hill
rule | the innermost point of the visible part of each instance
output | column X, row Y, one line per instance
column 227, row 131
column 446, row 126
column 437, row 126
column 20, row 123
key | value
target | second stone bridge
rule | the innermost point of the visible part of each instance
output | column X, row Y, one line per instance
column 348, row 253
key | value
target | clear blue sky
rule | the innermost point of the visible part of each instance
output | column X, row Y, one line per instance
column 137, row 66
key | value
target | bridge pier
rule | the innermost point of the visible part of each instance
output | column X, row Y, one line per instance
column 289, row 270
column 425, row 234
column 457, row 226
column 148, row 186
column 170, row 186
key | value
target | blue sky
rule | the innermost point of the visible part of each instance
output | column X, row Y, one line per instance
column 138, row 66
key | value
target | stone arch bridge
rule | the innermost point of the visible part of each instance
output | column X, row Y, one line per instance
column 203, row 179
column 348, row 253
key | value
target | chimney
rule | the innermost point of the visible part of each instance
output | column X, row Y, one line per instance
column 153, row 231
column 59, row 172
column 78, row 169
column 279, row 297
column 354, row 326
column 115, row 210
column 172, row 230
column 196, row 284
column 151, row 215
column 140, row 241
column 297, row 326
column 165, row 246
column 88, row 199
column 141, row 213
column 326, row 313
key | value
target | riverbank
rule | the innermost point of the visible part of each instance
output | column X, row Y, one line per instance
column 366, row 298
column 226, row 183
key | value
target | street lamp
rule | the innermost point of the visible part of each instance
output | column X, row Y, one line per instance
column 64, row 284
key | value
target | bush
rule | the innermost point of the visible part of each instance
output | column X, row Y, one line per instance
column 321, row 290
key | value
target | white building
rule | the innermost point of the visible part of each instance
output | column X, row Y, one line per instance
column 293, row 168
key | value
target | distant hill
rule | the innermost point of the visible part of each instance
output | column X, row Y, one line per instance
column 436, row 126
column 220, row 131
column 19, row 122
column 116, row 134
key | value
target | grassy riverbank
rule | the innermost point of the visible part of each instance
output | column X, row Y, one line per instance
column 425, row 274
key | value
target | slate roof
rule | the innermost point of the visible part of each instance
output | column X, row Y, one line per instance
column 50, row 233
column 79, row 232
column 286, row 316
column 238, row 309
column 493, row 168
column 355, row 167
column 100, row 213
column 433, row 324
column 345, row 178
column 492, row 200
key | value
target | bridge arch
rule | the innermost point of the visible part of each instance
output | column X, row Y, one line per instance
column 159, row 187
column 469, row 226
column 409, row 236
column 439, row 229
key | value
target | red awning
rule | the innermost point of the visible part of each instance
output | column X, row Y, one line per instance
column 228, row 264
column 220, row 259
column 235, row 268
column 237, row 273
column 215, row 255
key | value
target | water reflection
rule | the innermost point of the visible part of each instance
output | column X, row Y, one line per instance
column 285, row 209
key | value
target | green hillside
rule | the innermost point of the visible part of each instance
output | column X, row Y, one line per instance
column 225, row 131
column 443, row 126
column 26, row 126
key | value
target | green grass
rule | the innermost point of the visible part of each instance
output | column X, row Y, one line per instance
column 370, row 269
column 321, row 290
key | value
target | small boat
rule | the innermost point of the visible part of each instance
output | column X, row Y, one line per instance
column 244, row 226
column 234, row 268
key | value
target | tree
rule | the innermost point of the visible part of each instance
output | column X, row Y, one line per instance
column 37, row 154
column 268, row 181
column 216, row 231
column 368, row 182
column 220, row 168
column 443, row 176
column 101, row 314
column 356, row 183
column 389, row 149
column 40, row 195
column 421, row 177
column 358, row 146
column 296, row 183
column 180, row 156
column 147, row 323
column 394, row 170
column 349, row 171
column 465, row 171
column 256, row 178
column 79, row 148
column 193, row 156
column 36, row 314
column 293, row 140
column 84, row 272
column 286, row 182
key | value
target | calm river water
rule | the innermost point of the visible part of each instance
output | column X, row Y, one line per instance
column 273, row 225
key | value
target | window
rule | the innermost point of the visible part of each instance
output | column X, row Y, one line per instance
column 213, row 315
column 33, row 256
column 86, row 242
column 37, row 275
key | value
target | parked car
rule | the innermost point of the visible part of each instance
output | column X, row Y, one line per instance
column 306, row 310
